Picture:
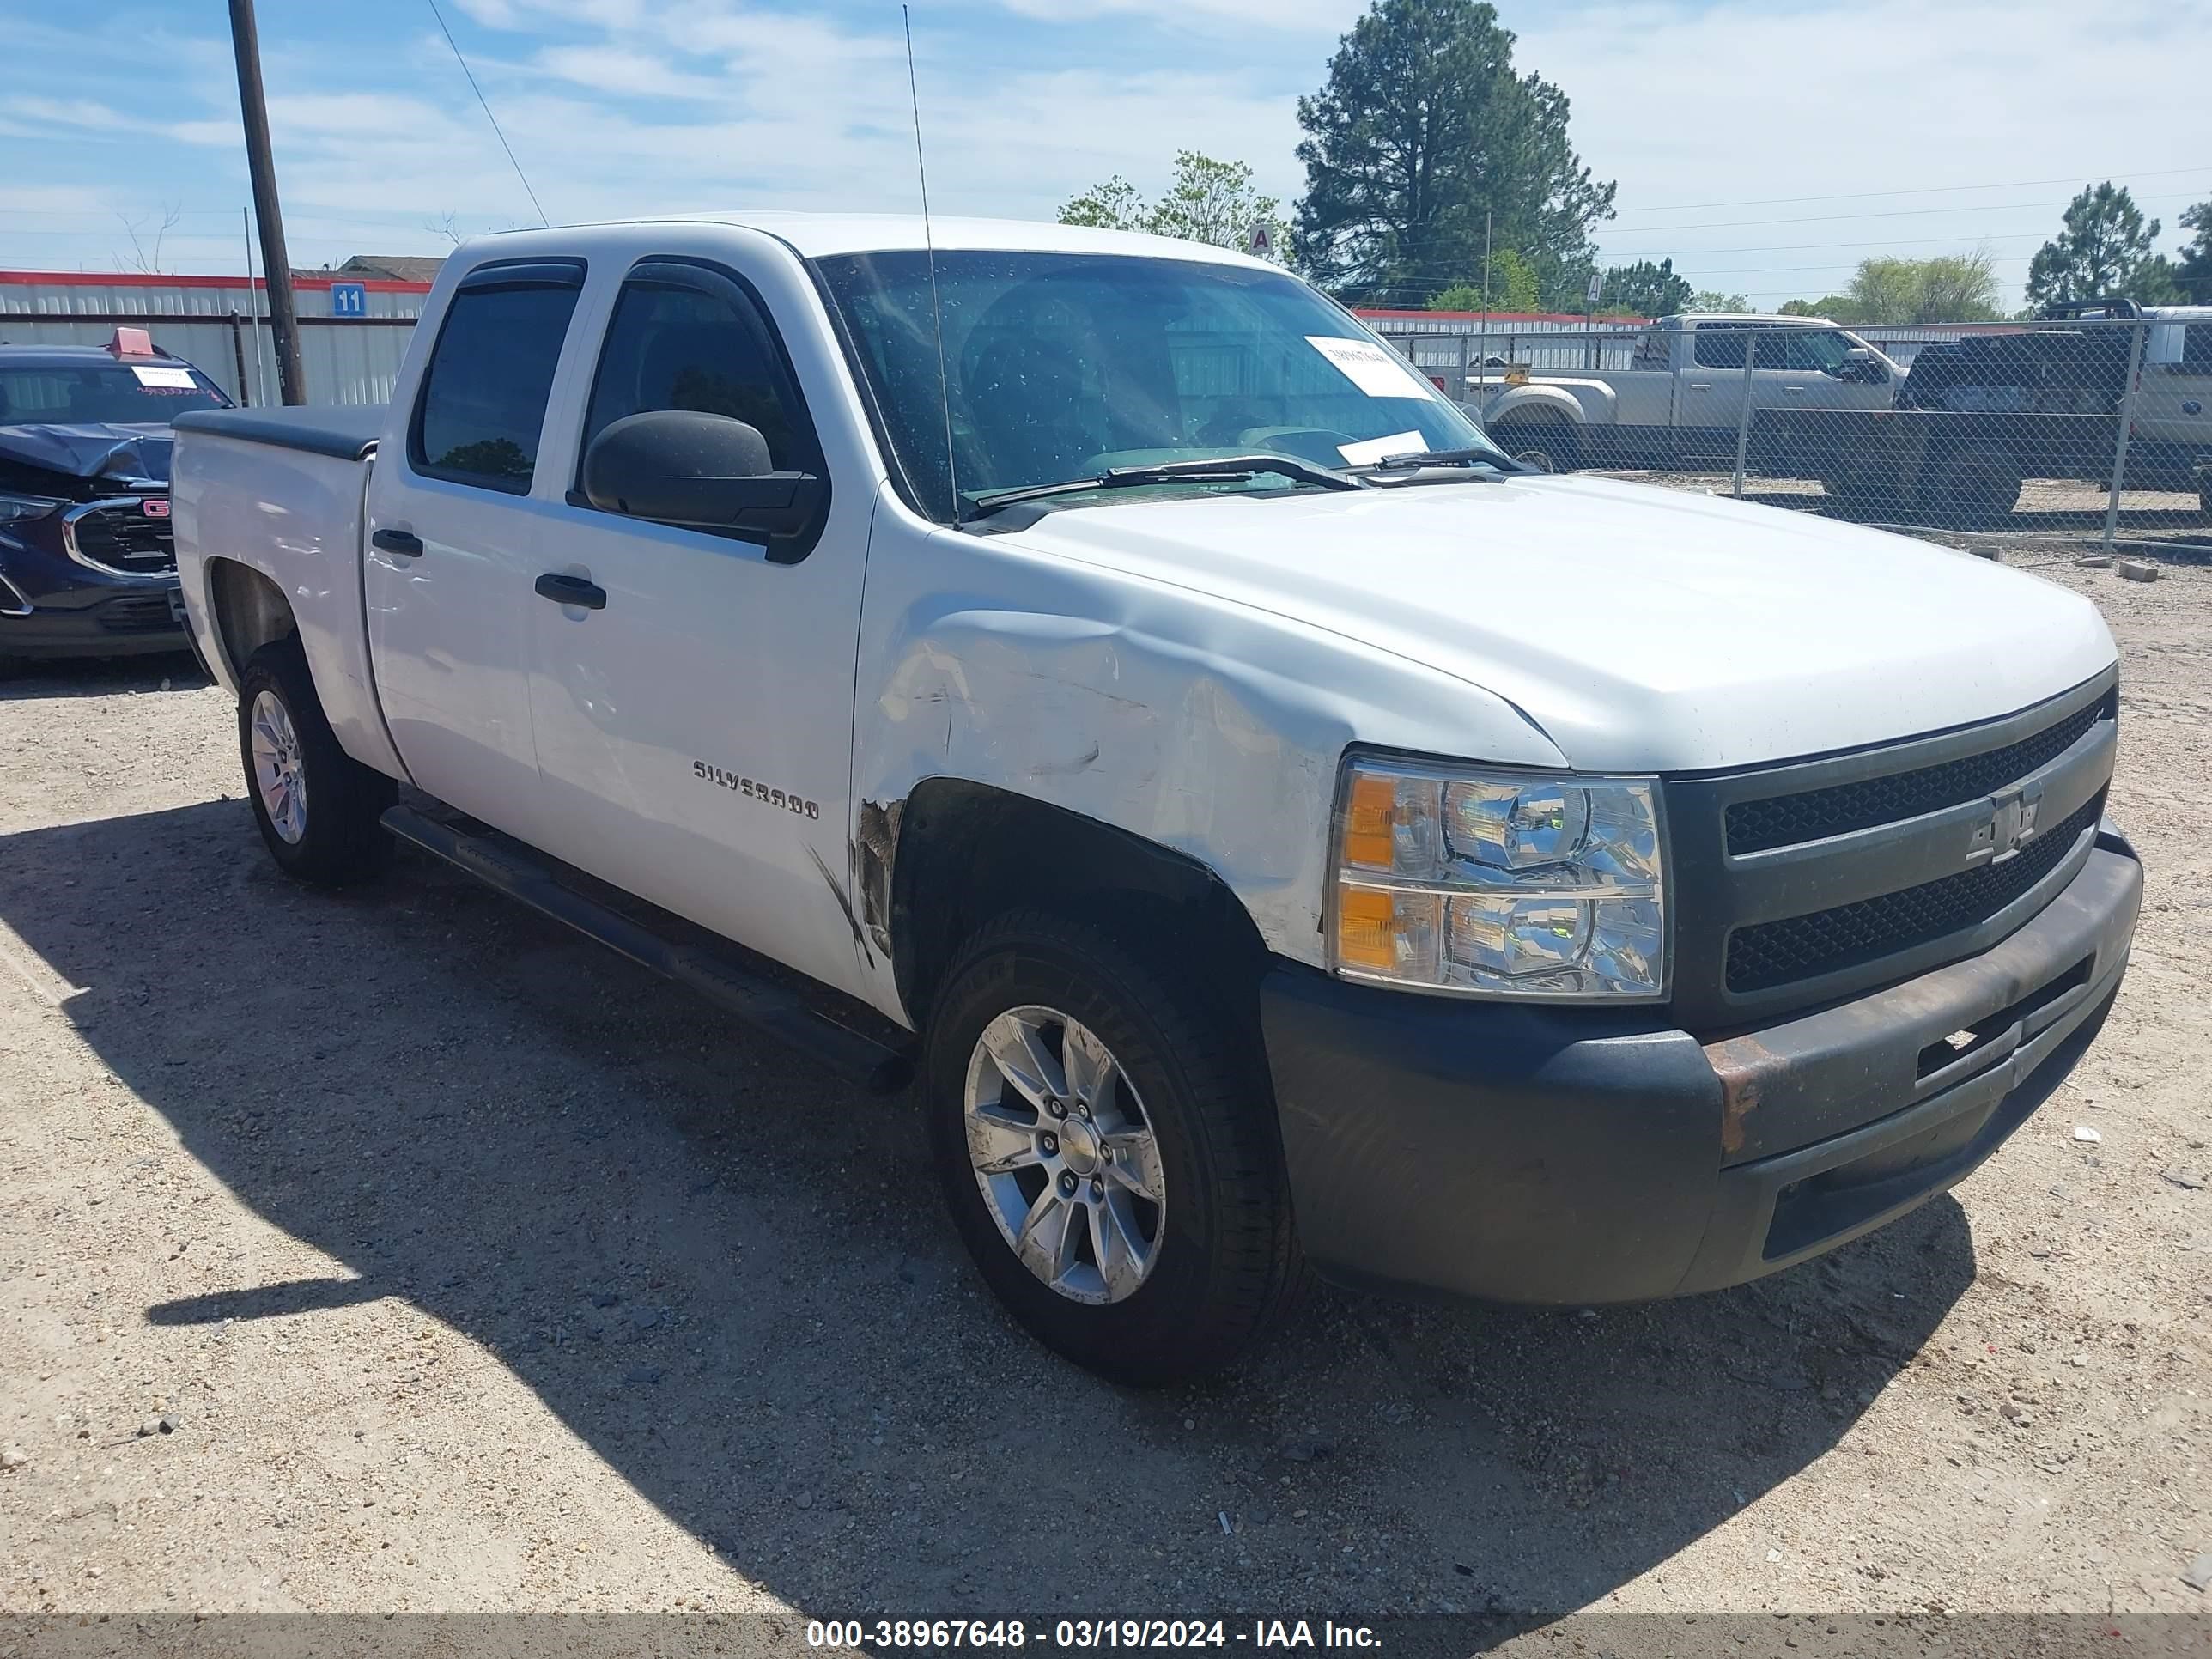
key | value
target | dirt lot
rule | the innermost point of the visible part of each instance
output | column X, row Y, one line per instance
column 454, row 1264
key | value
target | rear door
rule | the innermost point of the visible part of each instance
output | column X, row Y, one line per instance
column 455, row 541
column 694, row 729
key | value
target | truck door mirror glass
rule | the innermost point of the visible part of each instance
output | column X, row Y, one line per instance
column 702, row 471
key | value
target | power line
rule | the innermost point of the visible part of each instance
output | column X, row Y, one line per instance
column 1918, row 189
column 489, row 116
column 1894, row 213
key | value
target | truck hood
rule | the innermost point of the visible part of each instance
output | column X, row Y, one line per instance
column 96, row 450
column 1641, row 629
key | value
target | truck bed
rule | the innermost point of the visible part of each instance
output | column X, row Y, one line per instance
column 347, row 432
column 279, row 492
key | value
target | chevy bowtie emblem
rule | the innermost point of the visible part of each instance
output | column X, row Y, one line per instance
column 2010, row 826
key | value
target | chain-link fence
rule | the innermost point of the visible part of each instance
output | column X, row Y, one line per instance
column 2095, row 426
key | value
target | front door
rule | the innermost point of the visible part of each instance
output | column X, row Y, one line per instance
column 694, row 715
column 455, row 541
column 1712, row 395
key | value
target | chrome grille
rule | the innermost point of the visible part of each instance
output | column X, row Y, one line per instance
column 1813, row 880
column 119, row 536
column 1753, row 826
column 1801, row 947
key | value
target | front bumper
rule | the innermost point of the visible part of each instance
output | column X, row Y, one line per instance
column 1515, row 1153
column 51, row 605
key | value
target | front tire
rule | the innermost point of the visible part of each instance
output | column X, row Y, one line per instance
column 319, row 809
column 1109, row 1152
column 1548, row 446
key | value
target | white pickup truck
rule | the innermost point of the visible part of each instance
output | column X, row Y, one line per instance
column 1681, row 402
column 1093, row 672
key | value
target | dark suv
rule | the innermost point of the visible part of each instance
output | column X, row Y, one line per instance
column 86, row 569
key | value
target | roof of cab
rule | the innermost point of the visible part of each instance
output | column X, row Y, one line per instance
column 33, row 355
column 816, row 235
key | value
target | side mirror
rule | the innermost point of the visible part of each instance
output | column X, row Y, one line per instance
column 1861, row 364
column 703, row 471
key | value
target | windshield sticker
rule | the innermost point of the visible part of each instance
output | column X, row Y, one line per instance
column 1375, row 371
column 1368, row 451
column 179, row 377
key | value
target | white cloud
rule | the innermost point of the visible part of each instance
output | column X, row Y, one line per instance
column 1301, row 16
column 621, row 107
column 1742, row 102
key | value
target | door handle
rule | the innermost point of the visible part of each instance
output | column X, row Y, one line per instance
column 572, row 589
column 405, row 543
column 1701, row 386
column 1799, row 390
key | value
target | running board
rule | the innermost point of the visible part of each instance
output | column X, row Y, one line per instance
column 510, row 867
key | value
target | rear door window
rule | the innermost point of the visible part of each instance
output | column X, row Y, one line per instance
column 483, row 405
column 1720, row 348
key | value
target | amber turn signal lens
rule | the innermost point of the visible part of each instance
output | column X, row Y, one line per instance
column 1365, row 934
column 1370, row 817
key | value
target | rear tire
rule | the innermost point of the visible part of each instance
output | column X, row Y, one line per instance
column 319, row 809
column 1972, row 487
column 1203, row 1273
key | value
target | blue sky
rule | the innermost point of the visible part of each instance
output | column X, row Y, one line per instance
column 1766, row 145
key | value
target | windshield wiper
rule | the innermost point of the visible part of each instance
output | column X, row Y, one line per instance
column 1420, row 458
column 1227, row 468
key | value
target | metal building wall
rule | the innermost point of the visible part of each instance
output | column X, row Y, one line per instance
column 212, row 322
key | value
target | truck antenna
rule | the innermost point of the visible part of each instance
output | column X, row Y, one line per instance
column 489, row 116
column 929, row 252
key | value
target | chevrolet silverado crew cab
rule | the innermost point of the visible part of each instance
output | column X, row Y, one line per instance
column 1093, row 673
column 87, row 567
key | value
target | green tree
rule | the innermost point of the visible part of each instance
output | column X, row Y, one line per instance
column 1513, row 288
column 2104, row 249
column 1952, row 287
column 2192, row 267
column 1113, row 205
column 1207, row 201
column 1712, row 299
column 1513, row 283
column 1422, row 128
column 1957, row 288
column 1646, row 290
column 1215, row 202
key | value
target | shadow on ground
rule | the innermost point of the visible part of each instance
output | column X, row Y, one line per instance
column 730, row 1277
column 100, row 676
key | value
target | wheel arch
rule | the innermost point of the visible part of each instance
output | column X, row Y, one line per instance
column 941, row 863
column 1532, row 404
column 249, row 610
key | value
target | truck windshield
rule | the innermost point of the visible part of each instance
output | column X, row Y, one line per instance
column 1061, row 366
column 74, row 394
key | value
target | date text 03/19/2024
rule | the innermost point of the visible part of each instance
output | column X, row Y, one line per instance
column 1085, row 1634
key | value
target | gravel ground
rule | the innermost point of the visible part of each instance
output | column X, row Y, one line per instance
column 400, row 1251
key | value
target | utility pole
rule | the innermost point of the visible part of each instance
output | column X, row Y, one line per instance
column 283, row 323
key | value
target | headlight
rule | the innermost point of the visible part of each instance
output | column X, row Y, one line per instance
column 25, row 506
column 1498, row 884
